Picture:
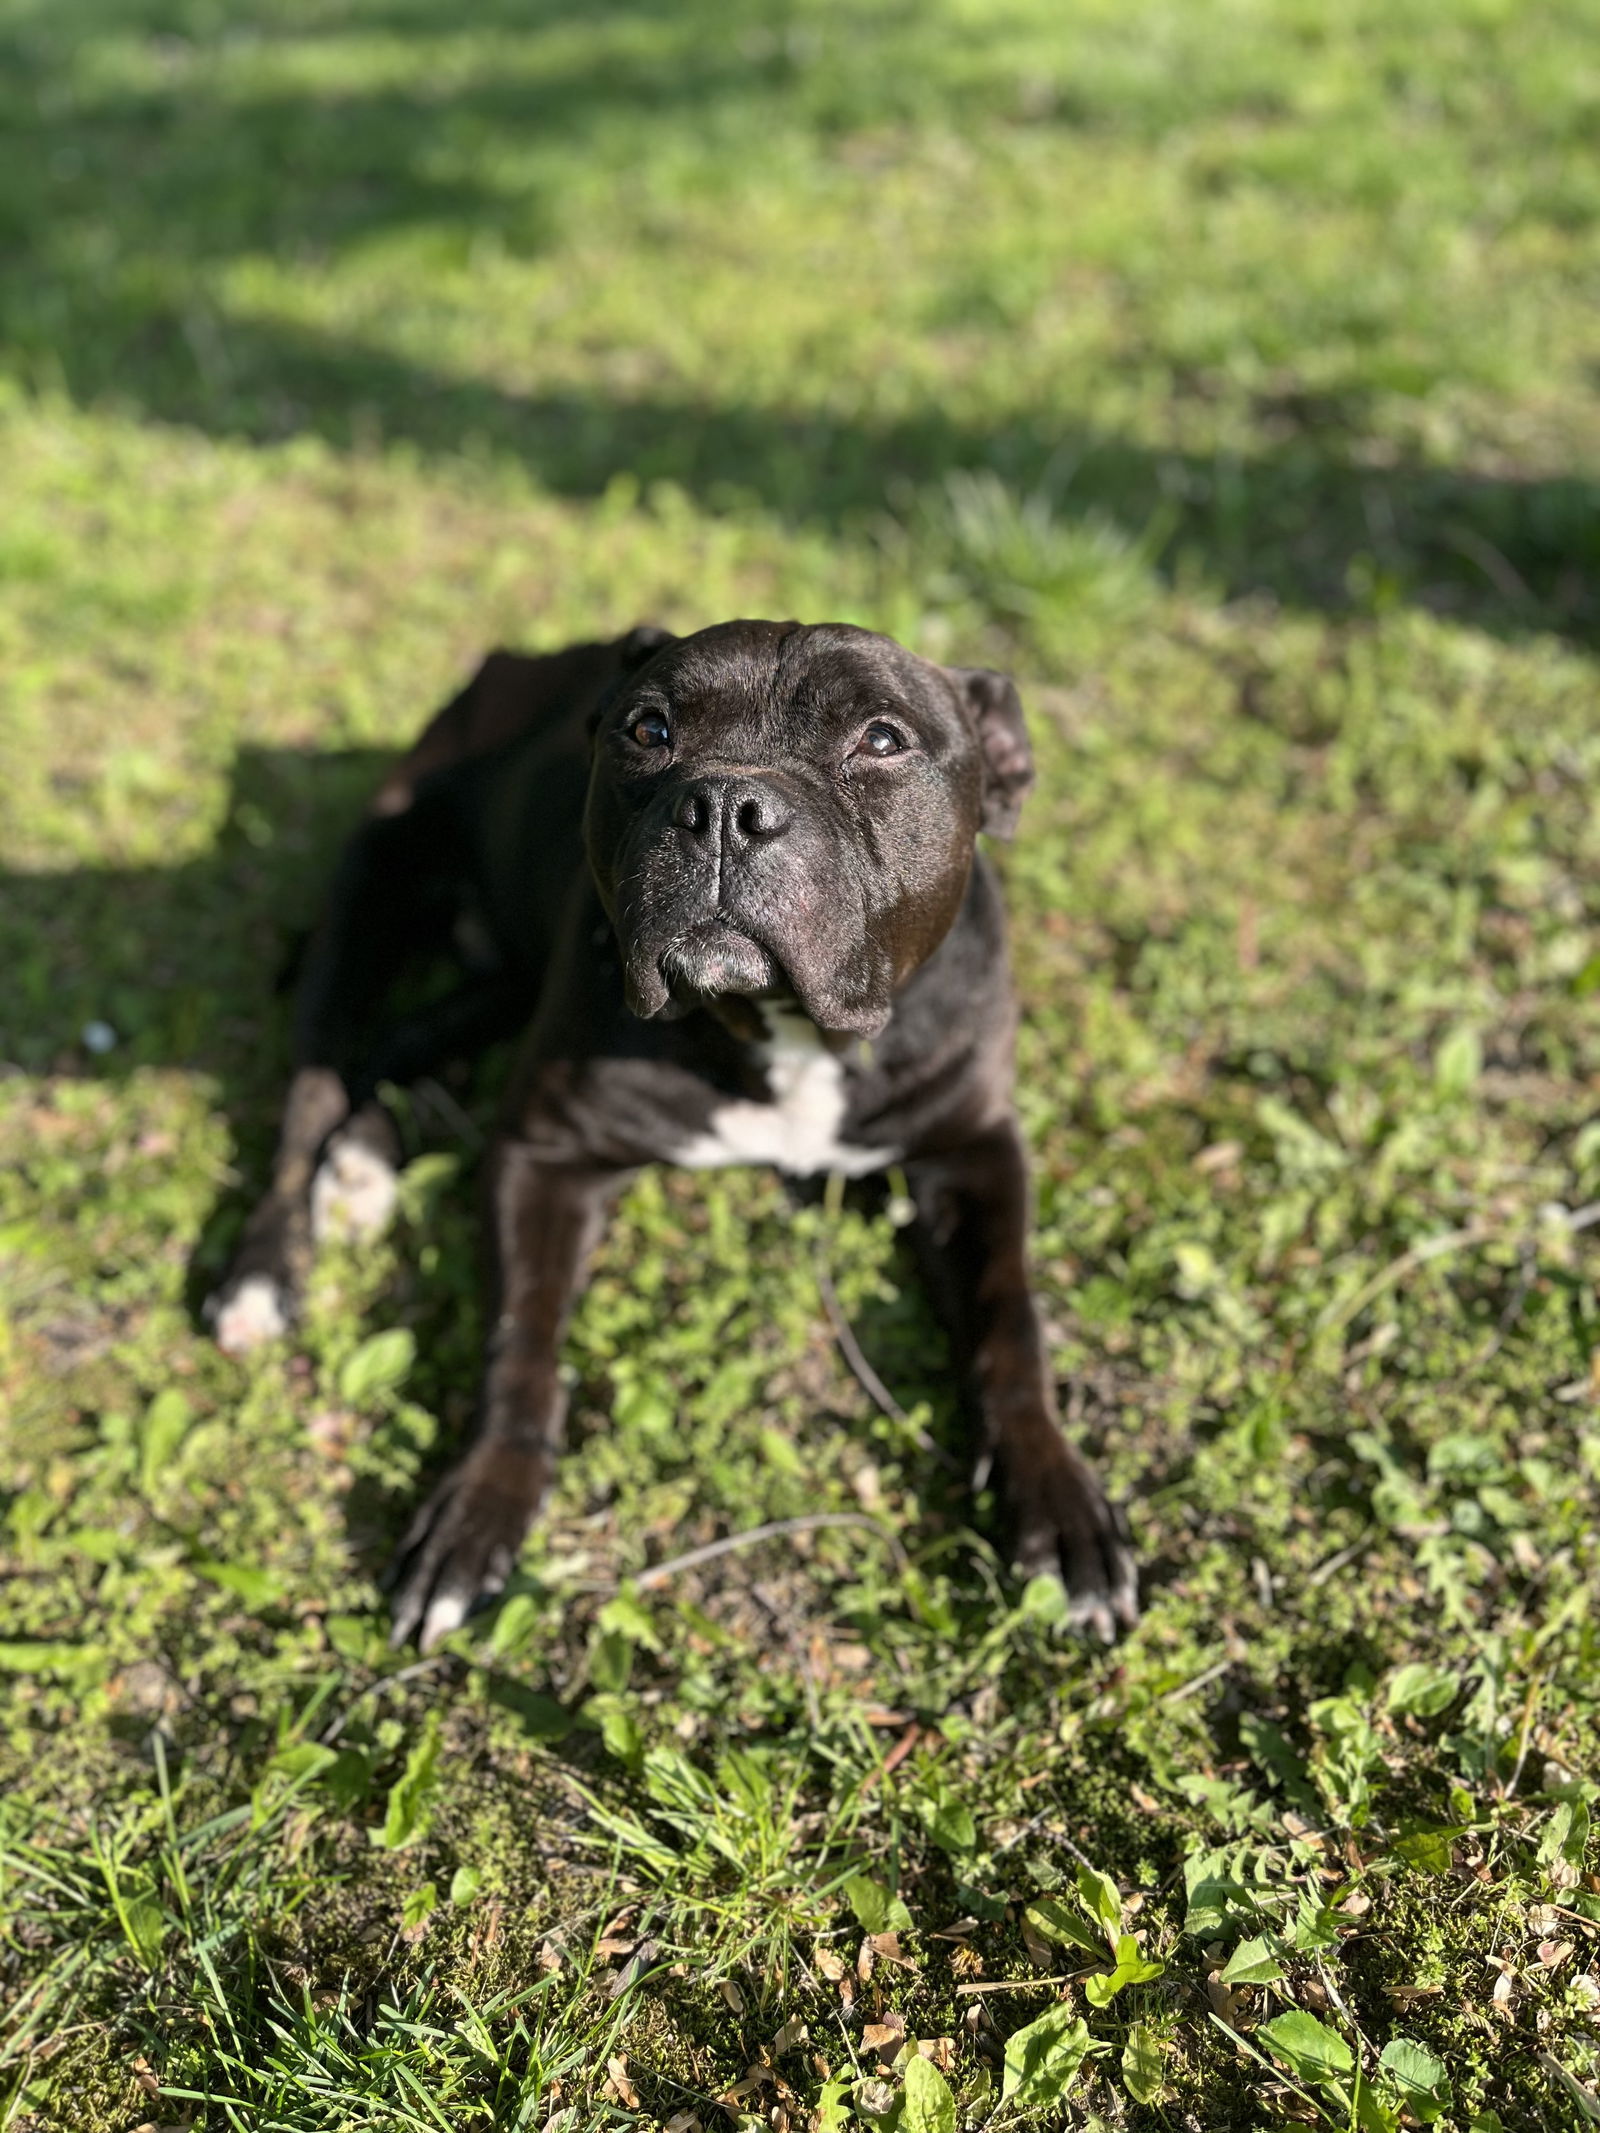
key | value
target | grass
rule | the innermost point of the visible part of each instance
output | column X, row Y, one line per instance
column 1227, row 373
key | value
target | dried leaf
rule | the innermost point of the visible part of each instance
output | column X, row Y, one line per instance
column 627, row 2094
column 885, row 2037
column 731, row 1994
column 1223, row 2003
column 793, row 2034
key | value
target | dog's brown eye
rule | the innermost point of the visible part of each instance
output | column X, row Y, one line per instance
column 880, row 740
column 650, row 730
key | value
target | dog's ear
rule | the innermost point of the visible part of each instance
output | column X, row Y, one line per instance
column 995, row 709
column 641, row 644
column 634, row 651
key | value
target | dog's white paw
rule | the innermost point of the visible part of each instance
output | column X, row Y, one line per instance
column 353, row 1192
column 248, row 1316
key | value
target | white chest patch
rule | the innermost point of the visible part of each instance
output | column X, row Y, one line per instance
column 798, row 1128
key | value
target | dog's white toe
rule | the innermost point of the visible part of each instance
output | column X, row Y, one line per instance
column 249, row 1316
column 352, row 1194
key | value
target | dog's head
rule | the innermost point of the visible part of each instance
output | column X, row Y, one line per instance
column 778, row 810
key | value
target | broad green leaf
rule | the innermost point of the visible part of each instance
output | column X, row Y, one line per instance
column 1565, row 1840
column 256, row 1587
column 833, row 2112
column 1217, row 1906
column 1312, row 2050
column 877, row 1911
column 1421, row 1691
column 356, row 1638
column 619, row 1729
column 1143, row 2073
column 927, row 2105
column 1458, row 1062
column 1373, row 2115
column 420, row 1904
column 610, row 1660
column 646, row 1407
column 423, row 1181
column 465, row 1883
column 627, row 1616
column 409, row 1810
column 1044, row 1600
column 991, row 1909
column 166, row 1423
column 780, row 1453
column 1252, row 1963
column 305, row 1760
column 1051, row 1917
column 1132, row 1968
column 513, row 1625
column 1316, row 1925
column 1101, row 1901
column 379, row 1365
column 1418, row 2075
column 1043, row 2060
column 950, row 1823
column 1268, row 1747
column 541, row 1717
column 66, row 1661
column 144, row 1922
column 1426, row 1847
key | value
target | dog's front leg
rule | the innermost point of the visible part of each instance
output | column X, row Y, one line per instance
column 545, row 1219
column 972, row 1202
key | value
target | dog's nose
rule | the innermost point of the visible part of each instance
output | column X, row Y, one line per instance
column 739, row 810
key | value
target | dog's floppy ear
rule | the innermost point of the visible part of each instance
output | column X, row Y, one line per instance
column 995, row 709
column 642, row 643
column 635, row 650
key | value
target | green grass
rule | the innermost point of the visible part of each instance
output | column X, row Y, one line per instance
column 1229, row 373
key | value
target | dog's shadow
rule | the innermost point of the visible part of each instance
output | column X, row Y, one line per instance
column 118, row 970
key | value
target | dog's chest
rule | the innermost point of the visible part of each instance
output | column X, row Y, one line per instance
column 799, row 1127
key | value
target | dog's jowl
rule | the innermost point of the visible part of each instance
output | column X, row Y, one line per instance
column 728, row 886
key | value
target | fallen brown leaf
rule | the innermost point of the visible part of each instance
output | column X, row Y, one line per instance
column 627, row 2094
column 1222, row 2001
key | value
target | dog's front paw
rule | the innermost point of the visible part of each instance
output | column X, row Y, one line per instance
column 462, row 1545
column 1067, row 1529
column 248, row 1311
column 356, row 1186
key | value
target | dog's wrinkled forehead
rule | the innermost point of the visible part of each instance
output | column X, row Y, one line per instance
column 784, row 682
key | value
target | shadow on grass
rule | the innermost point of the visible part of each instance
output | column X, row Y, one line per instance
column 183, row 964
column 117, row 199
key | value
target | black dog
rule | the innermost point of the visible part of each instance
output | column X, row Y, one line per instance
column 729, row 885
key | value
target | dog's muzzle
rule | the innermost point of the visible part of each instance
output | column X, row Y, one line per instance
column 717, row 959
